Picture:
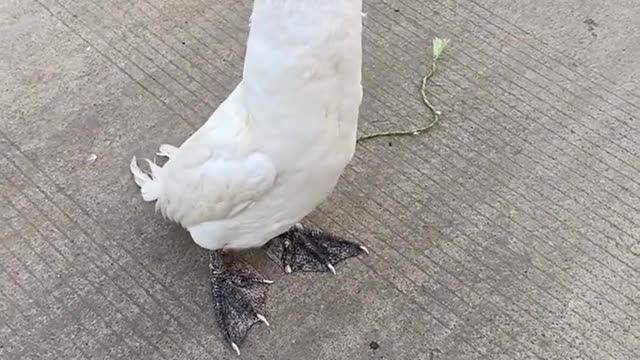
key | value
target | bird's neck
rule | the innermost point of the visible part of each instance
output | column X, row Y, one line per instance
column 301, row 6
column 290, row 20
column 302, row 75
column 300, row 39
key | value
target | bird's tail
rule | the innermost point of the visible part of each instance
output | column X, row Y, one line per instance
column 149, row 185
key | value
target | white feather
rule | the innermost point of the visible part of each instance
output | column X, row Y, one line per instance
column 275, row 148
column 148, row 187
column 138, row 175
column 166, row 150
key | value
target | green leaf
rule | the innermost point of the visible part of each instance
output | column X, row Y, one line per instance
column 438, row 47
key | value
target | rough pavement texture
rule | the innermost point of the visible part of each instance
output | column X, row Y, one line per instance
column 510, row 231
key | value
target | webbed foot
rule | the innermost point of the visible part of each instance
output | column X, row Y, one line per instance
column 312, row 250
column 239, row 295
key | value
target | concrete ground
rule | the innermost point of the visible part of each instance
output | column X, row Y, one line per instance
column 510, row 231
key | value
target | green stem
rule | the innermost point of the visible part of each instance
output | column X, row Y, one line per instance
column 435, row 114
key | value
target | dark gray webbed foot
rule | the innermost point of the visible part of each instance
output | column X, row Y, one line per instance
column 239, row 295
column 312, row 250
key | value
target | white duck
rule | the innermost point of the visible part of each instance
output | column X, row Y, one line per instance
column 272, row 152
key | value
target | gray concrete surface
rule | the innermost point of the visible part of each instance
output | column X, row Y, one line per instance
column 508, row 232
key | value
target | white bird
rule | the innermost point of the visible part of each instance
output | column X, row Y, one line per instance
column 271, row 152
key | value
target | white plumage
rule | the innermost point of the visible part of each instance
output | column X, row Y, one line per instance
column 275, row 148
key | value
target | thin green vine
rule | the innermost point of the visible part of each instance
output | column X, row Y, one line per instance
column 438, row 48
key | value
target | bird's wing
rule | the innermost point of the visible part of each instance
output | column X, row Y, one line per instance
column 216, row 173
column 216, row 189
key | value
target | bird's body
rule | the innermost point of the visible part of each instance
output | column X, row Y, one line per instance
column 276, row 147
column 270, row 153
